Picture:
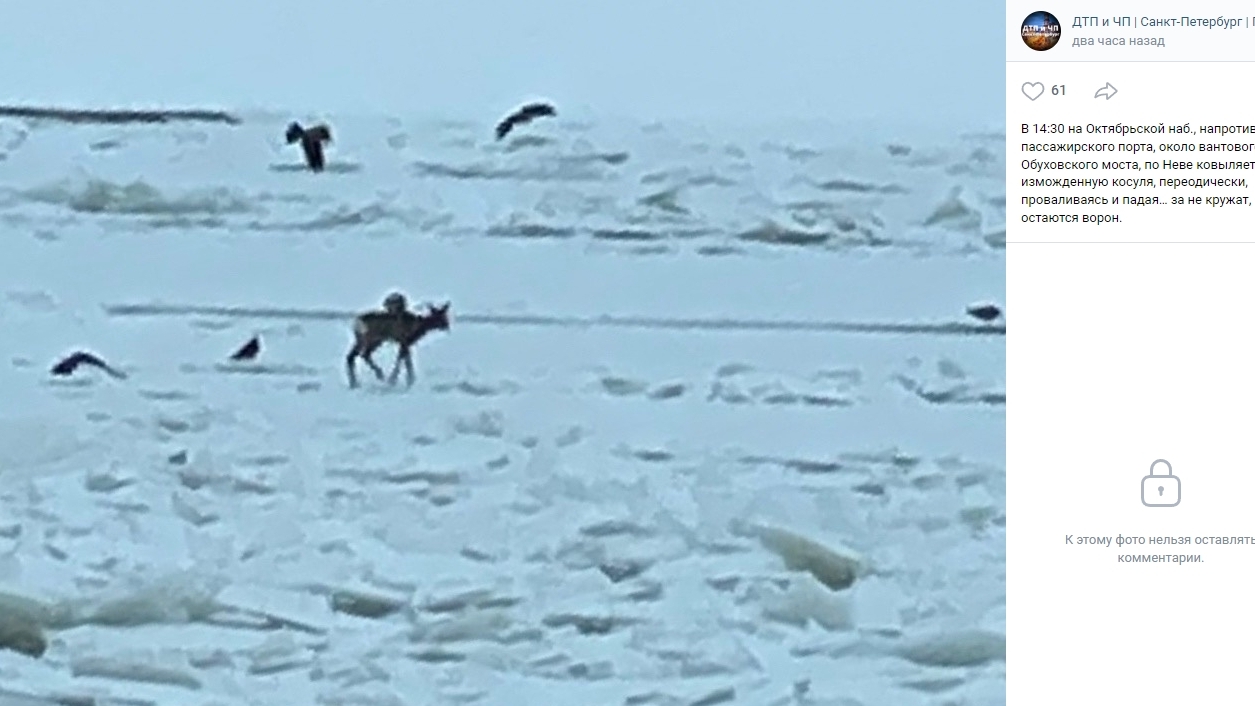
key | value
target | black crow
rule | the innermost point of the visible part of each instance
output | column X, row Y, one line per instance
column 311, row 140
column 984, row 312
column 524, row 115
column 67, row 365
column 249, row 350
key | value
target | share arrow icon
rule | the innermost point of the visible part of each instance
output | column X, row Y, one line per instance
column 1106, row 91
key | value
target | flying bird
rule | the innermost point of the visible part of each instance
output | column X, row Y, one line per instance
column 524, row 115
column 984, row 312
column 71, row 363
column 249, row 350
column 311, row 140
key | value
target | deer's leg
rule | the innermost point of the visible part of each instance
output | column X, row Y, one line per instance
column 409, row 369
column 396, row 365
column 366, row 356
column 350, row 363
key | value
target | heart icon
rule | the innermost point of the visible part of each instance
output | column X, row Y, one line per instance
column 1033, row 90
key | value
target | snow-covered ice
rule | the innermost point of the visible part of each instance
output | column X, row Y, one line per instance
column 612, row 483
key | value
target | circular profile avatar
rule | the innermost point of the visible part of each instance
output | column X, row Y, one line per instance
column 1040, row 31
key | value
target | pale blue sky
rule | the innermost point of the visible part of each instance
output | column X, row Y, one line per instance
column 641, row 58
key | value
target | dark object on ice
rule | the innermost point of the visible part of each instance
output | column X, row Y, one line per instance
column 365, row 605
column 67, row 365
column 984, row 312
column 179, row 458
column 374, row 328
column 116, row 117
column 524, row 115
column 249, row 350
column 311, row 142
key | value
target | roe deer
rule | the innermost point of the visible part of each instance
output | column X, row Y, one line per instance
column 398, row 325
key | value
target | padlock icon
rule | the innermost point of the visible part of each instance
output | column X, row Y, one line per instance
column 1162, row 490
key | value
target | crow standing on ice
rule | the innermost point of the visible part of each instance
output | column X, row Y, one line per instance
column 67, row 365
column 249, row 350
column 311, row 140
column 524, row 115
column 984, row 312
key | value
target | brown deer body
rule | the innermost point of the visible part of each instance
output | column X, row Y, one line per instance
column 397, row 325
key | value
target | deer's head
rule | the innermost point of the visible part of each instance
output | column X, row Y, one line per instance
column 438, row 316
